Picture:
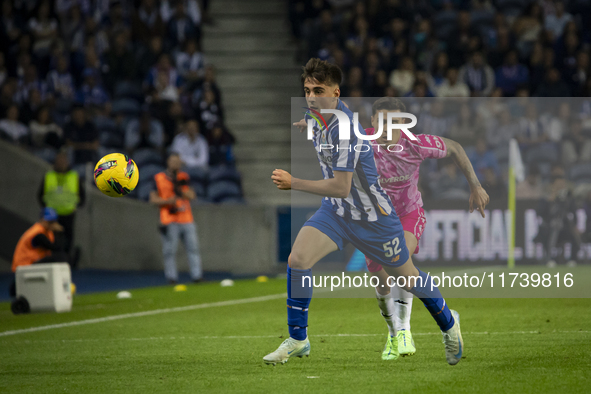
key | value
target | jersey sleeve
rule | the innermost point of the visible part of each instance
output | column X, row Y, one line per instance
column 344, row 156
column 431, row 146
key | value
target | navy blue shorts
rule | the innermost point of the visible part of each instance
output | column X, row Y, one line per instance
column 382, row 241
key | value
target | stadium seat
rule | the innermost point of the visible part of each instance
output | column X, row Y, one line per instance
column 453, row 194
column 127, row 89
column 199, row 188
column 103, row 123
column 148, row 171
column 197, row 174
column 502, row 153
column 143, row 189
column 111, row 139
column 145, row 156
column 126, row 106
column 580, row 173
column 47, row 154
column 221, row 190
column 224, row 173
column 511, row 8
column 544, row 153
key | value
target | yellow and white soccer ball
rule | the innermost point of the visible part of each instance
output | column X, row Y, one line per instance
column 116, row 175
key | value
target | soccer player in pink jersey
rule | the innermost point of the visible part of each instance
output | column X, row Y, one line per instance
column 398, row 171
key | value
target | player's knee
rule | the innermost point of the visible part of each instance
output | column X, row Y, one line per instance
column 297, row 261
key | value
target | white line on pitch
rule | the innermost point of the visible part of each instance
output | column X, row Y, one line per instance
column 145, row 313
column 26, row 341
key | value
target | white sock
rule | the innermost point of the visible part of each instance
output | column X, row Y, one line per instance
column 386, row 304
column 402, row 307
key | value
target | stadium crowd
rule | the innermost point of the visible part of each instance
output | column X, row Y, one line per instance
column 460, row 48
column 522, row 67
column 101, row 76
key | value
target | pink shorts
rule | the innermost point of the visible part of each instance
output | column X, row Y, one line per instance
column 414, row 223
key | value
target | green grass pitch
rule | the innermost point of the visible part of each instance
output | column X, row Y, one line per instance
column 511, row 345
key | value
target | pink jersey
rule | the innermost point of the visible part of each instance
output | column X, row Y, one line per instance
column 398, row 169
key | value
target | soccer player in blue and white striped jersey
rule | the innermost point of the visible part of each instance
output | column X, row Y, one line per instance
column 355, row 209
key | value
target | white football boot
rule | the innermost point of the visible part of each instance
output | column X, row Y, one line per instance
column 452, row 339
column 289, row 348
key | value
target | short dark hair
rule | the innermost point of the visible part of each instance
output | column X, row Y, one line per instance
column 389, row 103
column 322, row 72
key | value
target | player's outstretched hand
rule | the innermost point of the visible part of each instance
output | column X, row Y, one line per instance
column 301, row 125
column 282, row 179
column 479, row 198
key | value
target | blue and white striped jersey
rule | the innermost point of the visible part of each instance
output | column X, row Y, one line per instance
column 366, row 200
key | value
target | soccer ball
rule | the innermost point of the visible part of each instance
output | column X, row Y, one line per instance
column 116, row 175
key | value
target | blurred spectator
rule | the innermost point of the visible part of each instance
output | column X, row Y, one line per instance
column 181, row 27
column 82, row 136
column 553, row 86
column 531, row 128
column 3, row 69
column 191, row 146
column 576, row 147
column 10, row 26
column 451, row 183
column 531, row 188
column 29, row 81
column 29, row 108
column 190, row 63
column 451, row 87
column 527, row 27
column 466, row 128
column 44, row 132
column 190, row 7
column 559, row 219
column 220, row 146
column 501, row 131
column 403, row 78
column 511, row 74
column 482, row 158
column 120, row 62
column 62, row 190
column 579, row 75
column 163, row 67
column 145, row 132
column 92, row 92
column 559, row 123
column 479, row 76
column 172, row 121
column 555, row 22
column 210, row 111
column 493, row 184
column 147, row 22
column 11, row 129
column 44, row 30
column 60, row 82
column 147, row 57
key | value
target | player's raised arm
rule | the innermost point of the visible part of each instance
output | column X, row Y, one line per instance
column 478, row 196
column 337, row 187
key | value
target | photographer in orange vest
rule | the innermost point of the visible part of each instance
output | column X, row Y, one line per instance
column 37, row 244
column 173, row 196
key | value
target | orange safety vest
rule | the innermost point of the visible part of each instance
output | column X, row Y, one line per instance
column 166, row 190
column 25, row 253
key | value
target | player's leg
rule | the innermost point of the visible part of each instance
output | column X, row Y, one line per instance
column 402, row 301
column 310, row 246
column 420, row 284
column 170, row 239
column 395, row 307
column 387, row 309
column 192, row 246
